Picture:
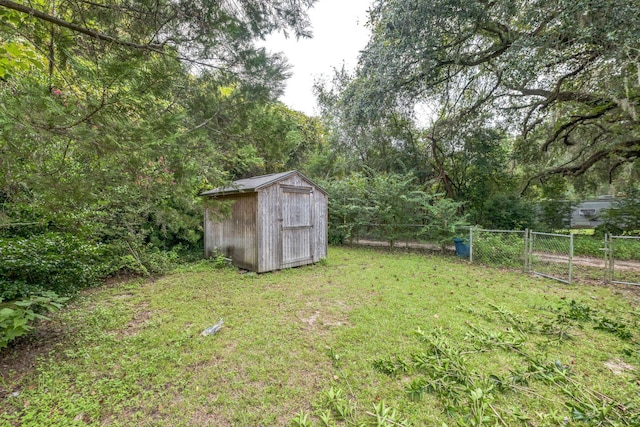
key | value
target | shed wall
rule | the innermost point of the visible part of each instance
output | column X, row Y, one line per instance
column 235, row 237
column 271, row 221
column 321, row 226
column 269, row 229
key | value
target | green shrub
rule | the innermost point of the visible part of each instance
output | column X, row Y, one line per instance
column 507, row 212
column 588, row 246
column 554, row 214
column 389, row 207
column 134, row 256
column 16, row 316
column 58, row 262
column 624, row 214
column 498, row 249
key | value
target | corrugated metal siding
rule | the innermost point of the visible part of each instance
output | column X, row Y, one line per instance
column 236, row 236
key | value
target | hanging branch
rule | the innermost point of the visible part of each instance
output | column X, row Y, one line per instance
column 77, row 28
column 152, row 47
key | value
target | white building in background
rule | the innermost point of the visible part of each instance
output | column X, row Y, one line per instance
column 587, row 214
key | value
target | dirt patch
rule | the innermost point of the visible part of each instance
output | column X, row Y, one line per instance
column 140, row 319
column 203, row 418
column 618, row 366
column 334, row 314
column 123, row 296
column 312, row 319
column 22, row 354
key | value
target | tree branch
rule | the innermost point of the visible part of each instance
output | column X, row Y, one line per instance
column 571, row 124
column 562, row 96
column 151, row 47
column 77, row 28
column 628, row 150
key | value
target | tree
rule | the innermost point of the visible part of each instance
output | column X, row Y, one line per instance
column 107, row 130
column 213, row 33
column 387, row 142
column 283, row 138
column 624, row 215
column 563, row 74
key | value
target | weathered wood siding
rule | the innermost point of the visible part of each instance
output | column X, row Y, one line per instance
column 236, row 237
column 269, row 229
column 281, row 225
column 297, row 225
column 292, row 224
column 320, row 225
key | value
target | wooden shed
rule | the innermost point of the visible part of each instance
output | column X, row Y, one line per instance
column 277, row 221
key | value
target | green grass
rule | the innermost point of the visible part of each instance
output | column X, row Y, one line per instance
column 340, row 337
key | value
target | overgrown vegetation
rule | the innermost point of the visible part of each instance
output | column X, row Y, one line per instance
column 390, row 207
column 113, row 120
column 624, row 215
column 115, row 116
column 58, row 262
column 16, row 316
column 333, row 344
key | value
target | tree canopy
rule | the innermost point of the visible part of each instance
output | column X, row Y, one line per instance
column 114, row 115
column 561, row 75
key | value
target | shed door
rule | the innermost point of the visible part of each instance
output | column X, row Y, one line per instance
column 297, row 225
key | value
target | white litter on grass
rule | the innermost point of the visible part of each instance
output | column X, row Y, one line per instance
column 213, row 329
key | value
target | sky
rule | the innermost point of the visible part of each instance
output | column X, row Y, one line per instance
column 339, row 33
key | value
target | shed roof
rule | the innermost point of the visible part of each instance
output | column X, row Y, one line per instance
column 252, row 184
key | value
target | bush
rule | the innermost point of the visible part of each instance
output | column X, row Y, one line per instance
column 390, row 207
column 507, row 212
column 348, row 208
column 505, row 250
column 624, row 215
column 554, row 214
column 16, row 316
column 135, row 256
column 57, row 262
column 588, row 246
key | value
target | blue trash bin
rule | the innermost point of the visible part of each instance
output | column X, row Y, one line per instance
column 462, row 247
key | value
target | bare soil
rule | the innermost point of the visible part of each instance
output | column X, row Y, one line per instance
column 19, row 359
column 22, row 354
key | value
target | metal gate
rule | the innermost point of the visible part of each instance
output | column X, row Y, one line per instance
column 621, row 254
column 504, row 248
column 551, row 255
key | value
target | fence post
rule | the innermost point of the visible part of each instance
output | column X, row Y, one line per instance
column 526, row 245
column 605, row 249
column 530, row 254
column 612, row 255
column 570, row 256
column 470, row 245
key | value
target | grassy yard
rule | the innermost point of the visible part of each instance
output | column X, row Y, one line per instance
column 368, row 337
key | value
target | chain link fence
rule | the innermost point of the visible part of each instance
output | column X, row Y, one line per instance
column 410, row 236
column 623, row 256
column 551, row 255
column 501, row 248
column 562, row 257
column 589, row 260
